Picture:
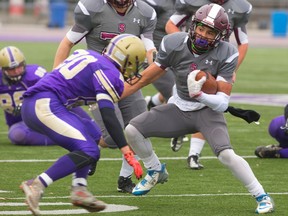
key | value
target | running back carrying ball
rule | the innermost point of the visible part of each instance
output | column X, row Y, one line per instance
column 210, row 85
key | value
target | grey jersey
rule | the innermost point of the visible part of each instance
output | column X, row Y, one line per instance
column 100, row 22
column 238, row 12
column 164, row 9
column 174, row 52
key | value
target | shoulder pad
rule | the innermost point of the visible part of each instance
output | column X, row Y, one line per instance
column 145, row 9
column 240, row 6
column 90, row 6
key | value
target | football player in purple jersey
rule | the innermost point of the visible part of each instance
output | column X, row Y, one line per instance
column 15, row 77
column 98, row 22
column 238, row 12
column 85, row 77
column 278, row 129
column 190, row 109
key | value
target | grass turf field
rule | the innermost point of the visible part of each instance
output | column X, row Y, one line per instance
column 212, row 191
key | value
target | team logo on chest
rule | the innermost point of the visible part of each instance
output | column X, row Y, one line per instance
column 230, row 10
column 122, row 27
column 193, row 66
column 207, row 62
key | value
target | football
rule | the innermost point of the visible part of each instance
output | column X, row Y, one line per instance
column 210, row 86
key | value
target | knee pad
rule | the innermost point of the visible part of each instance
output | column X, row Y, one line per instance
column 81, row 159
column 274, row 126
column 17, row 134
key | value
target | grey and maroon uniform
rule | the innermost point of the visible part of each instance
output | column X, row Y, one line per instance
column 98, row 22
column 187, row 114
column 238, row 12
column 164, row 9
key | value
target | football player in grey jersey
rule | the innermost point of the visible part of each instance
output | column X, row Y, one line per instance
column 164, row 9
column 190, row 109
column 238, row 12
column 98, row 22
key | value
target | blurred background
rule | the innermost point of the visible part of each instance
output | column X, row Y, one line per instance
column 269, row 15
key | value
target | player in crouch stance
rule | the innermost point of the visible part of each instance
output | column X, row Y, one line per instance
column 278, row 129
column 190, row 109
column 83, row 78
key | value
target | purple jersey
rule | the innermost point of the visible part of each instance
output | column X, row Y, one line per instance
column 84, row 78
column 11, row 94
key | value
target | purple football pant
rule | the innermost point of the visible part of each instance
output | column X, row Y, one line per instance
column 277, row 133
column 20, row 134
column 45, row 113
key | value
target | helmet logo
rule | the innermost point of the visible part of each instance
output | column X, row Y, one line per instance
column 122, row 27
column 120, row 55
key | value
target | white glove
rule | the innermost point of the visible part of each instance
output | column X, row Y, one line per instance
column 194, row 87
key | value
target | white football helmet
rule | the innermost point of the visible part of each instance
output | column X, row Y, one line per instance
column 10, row 59
column 128, row 52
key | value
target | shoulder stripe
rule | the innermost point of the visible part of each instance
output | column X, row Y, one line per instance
column 83, row 8
column 231, row 58
column 106, row 84
column 103, row 96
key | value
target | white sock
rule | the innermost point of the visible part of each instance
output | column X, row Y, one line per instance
column 126, row 169
column 152, row 162
column 242, row 171
column 156, row 100
column 196, row 146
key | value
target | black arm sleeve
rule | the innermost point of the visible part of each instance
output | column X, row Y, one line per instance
column 113, row 126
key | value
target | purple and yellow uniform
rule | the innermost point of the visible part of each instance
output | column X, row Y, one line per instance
column 11, row 96
column 83, row 78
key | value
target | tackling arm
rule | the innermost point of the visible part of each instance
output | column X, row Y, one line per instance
column 115, row 130
column 63, row 51
column 149, row 75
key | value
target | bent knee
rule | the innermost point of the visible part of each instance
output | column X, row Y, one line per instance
column 17, row 135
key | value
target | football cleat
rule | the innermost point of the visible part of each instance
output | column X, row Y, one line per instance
column 193, row 162
column 149, row 102
column 33, row 190
column 270, row 151
column 177, row 142
column 81, row 197
column 152, row 178
column 265, row 204
column 125, row 185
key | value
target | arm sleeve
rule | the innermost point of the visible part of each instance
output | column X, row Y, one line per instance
column 218, row 102
column 113, row 126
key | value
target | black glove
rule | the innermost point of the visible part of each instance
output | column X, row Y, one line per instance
column 17, row 110
column 248, row 115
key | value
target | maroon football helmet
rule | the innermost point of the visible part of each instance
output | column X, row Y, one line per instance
column 220, row 2
column 213, row 16
column 121, row 3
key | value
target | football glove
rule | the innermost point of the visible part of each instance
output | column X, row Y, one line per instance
column 17, row 110
column 194, row 86
column 129, row 157
column 248, row 115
